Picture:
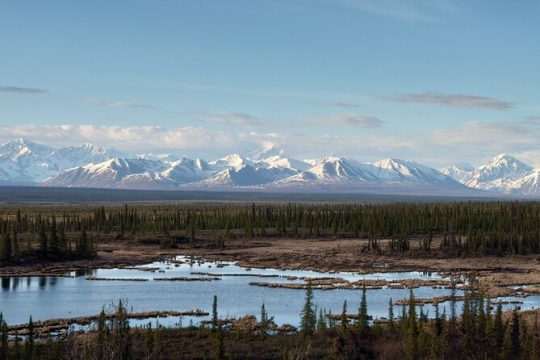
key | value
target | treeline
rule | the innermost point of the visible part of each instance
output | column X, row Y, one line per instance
column 461, row 229
column 477, row 334
column 17, row 239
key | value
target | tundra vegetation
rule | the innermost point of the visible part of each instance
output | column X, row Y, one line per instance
column 38, row 234
column 483, row 331
column 471, row 229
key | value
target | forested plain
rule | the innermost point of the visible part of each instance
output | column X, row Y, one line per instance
column 467, row 229
column 56, row 233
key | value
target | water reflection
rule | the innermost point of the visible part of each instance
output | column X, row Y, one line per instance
column 64, row 297
column 6, row 281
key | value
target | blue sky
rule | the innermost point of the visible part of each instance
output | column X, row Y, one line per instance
column 435, row 81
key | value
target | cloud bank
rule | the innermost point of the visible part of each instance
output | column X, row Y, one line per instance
column 471, row 142
column 452, row 100
column 21, row 90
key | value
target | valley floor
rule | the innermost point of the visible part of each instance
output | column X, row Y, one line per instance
column 497, row 275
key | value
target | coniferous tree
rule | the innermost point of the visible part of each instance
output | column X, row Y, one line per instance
column 215, row 320
column 15, row 242
column 4, row 348
column 363, row 322
column 411, row 339
column 344, row 317
column 307, row 319
column 264, row 320
column 53, row 239
column 29, row 343
column 391, row 323
column 121, row 336
column 5, row 254
column 43, row 240
column 101, row 334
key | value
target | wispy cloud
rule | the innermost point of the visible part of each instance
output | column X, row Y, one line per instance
column 115, row 103
column 21, row 90
column 472, row 141
column 517, row 136
column 339, row 104
column 452, row 100
column 410, row 10
column 233, row 119
column 137, row 138
column 349, row 120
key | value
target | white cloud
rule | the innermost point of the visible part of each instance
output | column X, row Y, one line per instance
column 233, row 119
column 349, row 119
column 410, row 10
column 115, row 103
column 471, row 142
column 128, row 138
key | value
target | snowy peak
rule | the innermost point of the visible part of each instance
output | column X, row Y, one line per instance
column 458, row 171
column 528, row 185
column 234, row 161
column 246, row 176
column 267, row 152
column 26, row 162
column 284, row 162
column 397, row 170
column 187, row 170
column 338, row 169
column 19, row 148
column 116, row 172
column 498, row 174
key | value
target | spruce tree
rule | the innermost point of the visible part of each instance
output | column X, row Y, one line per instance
column 4, row 347
column 391, row 324
column 307, row 318
column 344, row 317
column 215, row 320
column 15, row 242
column 5, row 254
column 29, row 343
column 43, row 240
column 411, row 340
column 363, row 322
column 53, row 239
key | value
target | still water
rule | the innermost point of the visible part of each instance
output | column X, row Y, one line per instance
column 64, row 297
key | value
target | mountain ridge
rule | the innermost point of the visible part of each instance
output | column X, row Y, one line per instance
column 25, row 162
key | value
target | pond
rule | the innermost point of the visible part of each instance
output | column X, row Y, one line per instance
column 74, row 295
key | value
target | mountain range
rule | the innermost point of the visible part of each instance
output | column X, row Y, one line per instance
column 24, row 162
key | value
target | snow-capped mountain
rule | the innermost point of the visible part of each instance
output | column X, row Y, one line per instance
column 246, row 175
column 26, row 162
column 271, row 169
column 390, row 175
column 401, row 171
column 498, row 174
column 501, row 174
column 528, row 185
column 334, row 170
column 458, row 171
column 234, row 161
column 116, row 172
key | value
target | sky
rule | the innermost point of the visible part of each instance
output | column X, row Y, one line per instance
column 436, row 81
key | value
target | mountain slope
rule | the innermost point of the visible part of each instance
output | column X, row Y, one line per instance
column 24, row 161
column 499, row 174
column 116, row 172
column 411, row 172
column 528, row 185
column 458, row 172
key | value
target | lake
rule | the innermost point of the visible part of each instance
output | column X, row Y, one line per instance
column 64, row 297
